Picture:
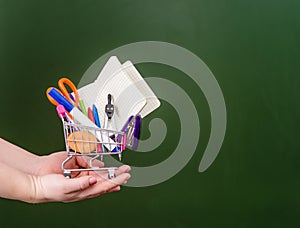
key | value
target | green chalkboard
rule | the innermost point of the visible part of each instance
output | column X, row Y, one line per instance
column 251, row 48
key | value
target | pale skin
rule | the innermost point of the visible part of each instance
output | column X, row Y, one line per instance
column 31, row 178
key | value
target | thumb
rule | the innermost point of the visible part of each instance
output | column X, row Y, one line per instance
column 80, row 183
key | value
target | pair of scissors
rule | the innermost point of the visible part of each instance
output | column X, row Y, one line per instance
column 62, row 83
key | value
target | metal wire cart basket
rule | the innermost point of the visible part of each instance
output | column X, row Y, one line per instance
column 82, row 130
column 92, row 142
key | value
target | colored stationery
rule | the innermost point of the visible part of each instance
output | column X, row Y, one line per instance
column 91, row 115
column 82, row 107
column 96, row 116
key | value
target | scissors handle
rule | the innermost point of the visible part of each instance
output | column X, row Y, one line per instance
column 61, row 84
column 53, row 101
column 64, row 92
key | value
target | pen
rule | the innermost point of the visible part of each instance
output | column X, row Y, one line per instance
column 90, row 115
column 96, row 116
column 82, row 107
column 97, row 122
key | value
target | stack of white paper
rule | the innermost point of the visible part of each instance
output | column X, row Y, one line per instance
column 130, row 93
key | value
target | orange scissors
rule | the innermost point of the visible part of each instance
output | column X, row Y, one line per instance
column 63, row 91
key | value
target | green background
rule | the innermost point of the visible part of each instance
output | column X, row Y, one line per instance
column 252, row 48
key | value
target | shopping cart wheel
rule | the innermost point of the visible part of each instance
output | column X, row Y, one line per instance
column 67, row 174
column 111, row 173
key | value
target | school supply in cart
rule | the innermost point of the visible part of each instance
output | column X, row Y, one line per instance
column 83, row 137
column 103, row 117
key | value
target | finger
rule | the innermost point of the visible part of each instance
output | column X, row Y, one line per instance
column 98, row 163
column 79, row 183
column 83, row 173
column 101, row 187
column 103, row 174
column 114, row 182
column 104, row 184
column 122, row 169
column 84, row 161
column 115, row 189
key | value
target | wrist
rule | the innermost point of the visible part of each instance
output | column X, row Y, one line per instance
column 37, row 192
column 18, row 185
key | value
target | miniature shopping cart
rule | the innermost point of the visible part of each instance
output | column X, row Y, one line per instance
column 92, row 142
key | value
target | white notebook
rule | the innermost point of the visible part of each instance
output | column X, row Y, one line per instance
column 131, row 94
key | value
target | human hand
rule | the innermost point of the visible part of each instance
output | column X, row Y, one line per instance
column 57, row 188
column 51, row 163
column 31, row 178
column 84, row 184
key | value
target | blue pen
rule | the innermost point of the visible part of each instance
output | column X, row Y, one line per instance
column 96, row 116
column 60, row 99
